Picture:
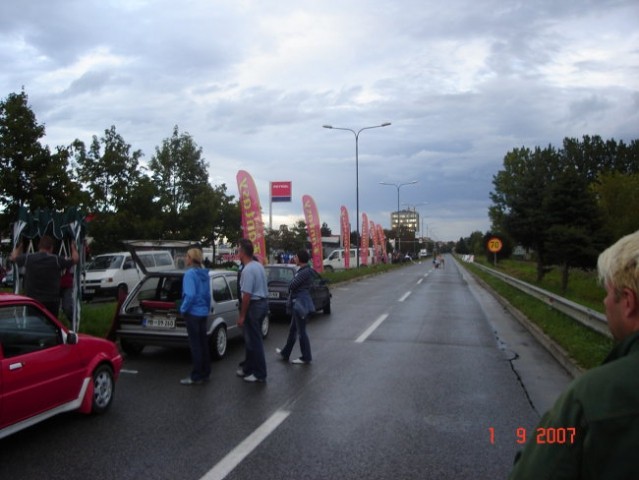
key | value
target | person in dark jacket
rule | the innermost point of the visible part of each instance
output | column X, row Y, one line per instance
column 301, row 305
column 594, row 425
column 195, row 308
column 42, row 271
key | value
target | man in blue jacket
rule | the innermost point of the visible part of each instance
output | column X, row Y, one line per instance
column 195, row 308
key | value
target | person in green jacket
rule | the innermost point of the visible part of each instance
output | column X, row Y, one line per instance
column 592, row 431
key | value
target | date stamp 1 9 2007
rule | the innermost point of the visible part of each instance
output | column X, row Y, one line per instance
column 548, row 436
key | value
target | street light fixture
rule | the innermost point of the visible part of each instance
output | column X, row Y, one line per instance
column 356, row 133
column 398, row 186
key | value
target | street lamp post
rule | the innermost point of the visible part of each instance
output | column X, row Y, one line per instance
column 356, row 133
column 398, row 186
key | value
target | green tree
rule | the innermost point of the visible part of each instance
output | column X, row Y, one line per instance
column 180, row 174
column 109, row 170
column 574, row 236
column 518, row 198
column 618, row 198
column 30, row 175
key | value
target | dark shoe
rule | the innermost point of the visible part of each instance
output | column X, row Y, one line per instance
column 253, row 379
column 190, row 381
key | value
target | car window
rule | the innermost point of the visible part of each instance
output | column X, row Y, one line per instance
column 279, row 274
column 104, row 262
column 25, row 329
column 232, row 281
column 171, row 290
column 162, row 259
column 147, row 260
column 221, row 290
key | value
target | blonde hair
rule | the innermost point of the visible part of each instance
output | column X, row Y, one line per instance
column 618, row 265
column 196, row 255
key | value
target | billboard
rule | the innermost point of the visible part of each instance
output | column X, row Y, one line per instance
column 281, row 191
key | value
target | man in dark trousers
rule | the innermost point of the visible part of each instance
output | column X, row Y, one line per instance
column 43, row 270
column 254, row 308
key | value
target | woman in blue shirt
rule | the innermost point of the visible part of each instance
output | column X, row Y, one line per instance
column 195, row 308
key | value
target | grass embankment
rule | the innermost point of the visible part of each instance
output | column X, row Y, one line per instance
column 586, row 347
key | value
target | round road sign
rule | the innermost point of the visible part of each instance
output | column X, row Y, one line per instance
column 494, row 245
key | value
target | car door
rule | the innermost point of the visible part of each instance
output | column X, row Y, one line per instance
column 39, row 371
column 226, row 305
column 319, row 291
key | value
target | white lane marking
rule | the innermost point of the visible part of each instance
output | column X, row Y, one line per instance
column 132, row 372
column 371, row 329
column 250, row 443
column 404, row 297
column 420, row 281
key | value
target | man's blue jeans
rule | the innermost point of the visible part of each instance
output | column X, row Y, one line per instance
column 298, row 327
column 255, row 362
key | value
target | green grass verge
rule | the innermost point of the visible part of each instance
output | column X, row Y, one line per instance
column 586, row 347
column 96, row 318
column 583, row 287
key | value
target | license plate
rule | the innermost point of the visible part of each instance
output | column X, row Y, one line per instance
column 159, row 322
column 273, row 294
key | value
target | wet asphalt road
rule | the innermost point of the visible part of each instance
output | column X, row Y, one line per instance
column 413, row 398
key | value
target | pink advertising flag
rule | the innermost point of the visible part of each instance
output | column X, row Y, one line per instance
column 252, row 224
column 345, row 228
column 376, row 254
column 382, row 240
column 314, row 229
column 364, row 242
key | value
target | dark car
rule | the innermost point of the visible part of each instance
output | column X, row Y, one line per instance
column 150, row 313
column 47, row 369
column 279, row 277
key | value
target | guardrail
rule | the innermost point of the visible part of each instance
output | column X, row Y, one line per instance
column 584, row 315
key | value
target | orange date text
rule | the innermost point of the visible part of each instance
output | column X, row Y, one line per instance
column 541, row 435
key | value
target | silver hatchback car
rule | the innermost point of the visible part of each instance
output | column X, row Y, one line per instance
column 150, row 314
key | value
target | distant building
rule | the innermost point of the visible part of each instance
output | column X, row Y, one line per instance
column 406, row 219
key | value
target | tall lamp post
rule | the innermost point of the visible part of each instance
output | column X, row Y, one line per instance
column 398, row 186
column 356, row 133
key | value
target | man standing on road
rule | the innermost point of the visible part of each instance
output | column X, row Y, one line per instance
column 253, row 310
column 42, row 272
column 592, row 431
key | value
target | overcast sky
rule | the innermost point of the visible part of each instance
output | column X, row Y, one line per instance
column 462, row 81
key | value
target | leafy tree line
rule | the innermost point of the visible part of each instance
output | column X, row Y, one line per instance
column 564, row 204
column 170, row 199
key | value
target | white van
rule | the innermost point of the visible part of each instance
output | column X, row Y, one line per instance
column 335, row 260
column 109, row 272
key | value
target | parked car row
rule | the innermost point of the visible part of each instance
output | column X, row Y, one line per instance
column 45, row 369
column 150, row 313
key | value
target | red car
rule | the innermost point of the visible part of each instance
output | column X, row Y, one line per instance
column 45, row 369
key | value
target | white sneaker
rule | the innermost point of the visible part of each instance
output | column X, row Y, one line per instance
column 240, row 372
column 299, row 361
column 253, row 379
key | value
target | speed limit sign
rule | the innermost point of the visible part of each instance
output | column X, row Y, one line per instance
column 494, row 245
